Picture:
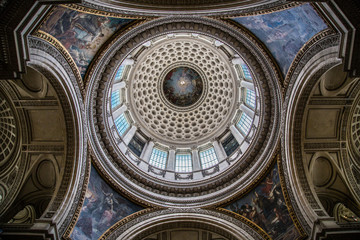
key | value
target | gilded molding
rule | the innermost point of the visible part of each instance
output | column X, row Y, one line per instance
column 99, row 79
column 254, row 183
column 107, row 45
column 97, row 12
column 248, row 222
column 260, row 12
column 261, row 46
column 289, row 206
column 126, row 220
column 158, row 215
column 299, row 56
column 116, row 186
column 77, row 212
column 57, row 44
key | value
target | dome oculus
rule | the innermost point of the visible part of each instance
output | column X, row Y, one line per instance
column 182, row 86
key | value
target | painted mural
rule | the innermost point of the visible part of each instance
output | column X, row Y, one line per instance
column 102, row 208
column 82, row 34
column 265, row 206
column 182, row 86
column 285, row 32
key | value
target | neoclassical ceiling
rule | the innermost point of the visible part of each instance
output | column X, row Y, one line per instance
column 205, row 119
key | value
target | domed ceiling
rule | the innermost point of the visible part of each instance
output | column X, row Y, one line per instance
column 183, row 111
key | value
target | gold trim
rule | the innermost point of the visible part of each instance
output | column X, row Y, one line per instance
column 126, row 220
column 300, row 54
column 245, row 220
column 253, row 184
column 58, row 45
column 322, row 16
column 44, row 19
column 115, row 185
column 75, row 218
column 260, row 12
column 290, row 208
column 92, row 11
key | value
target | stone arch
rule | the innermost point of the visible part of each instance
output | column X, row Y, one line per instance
column 313, row 127
column 71, row 166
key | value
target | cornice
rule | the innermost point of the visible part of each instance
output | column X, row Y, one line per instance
column 314, row 46
column 99, row 83
column 137, row 220
column 57, row 44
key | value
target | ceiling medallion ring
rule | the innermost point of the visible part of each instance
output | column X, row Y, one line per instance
column 176, row 193
column 187, row 126
column 194, row 103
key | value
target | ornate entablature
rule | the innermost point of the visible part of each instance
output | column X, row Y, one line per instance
column 136, row 125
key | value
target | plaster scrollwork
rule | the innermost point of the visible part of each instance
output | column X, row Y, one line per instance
column 155, row 190
column 343, row 214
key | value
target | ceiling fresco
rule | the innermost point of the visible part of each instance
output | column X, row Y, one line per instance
column 102, row 208
column 285, row 32
column 265, row 206
column 182, row 86
column 81, row 34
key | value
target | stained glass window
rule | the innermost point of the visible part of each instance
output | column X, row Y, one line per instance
column 230, row 144
column 208, row 158
column 122, row 124
column 244, row 123
column 250, row 98
column 158, row 158
column 115, row 99
column 183, row 162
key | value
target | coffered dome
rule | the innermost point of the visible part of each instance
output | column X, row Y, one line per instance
column 186, row 113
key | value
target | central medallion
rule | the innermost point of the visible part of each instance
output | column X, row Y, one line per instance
column 182, row 86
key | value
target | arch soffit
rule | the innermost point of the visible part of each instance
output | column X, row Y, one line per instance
column 46, row 59
column 320, row 55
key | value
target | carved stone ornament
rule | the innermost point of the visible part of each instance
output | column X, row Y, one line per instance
column 342, row 214
column 149, row 190
column 151, row 221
